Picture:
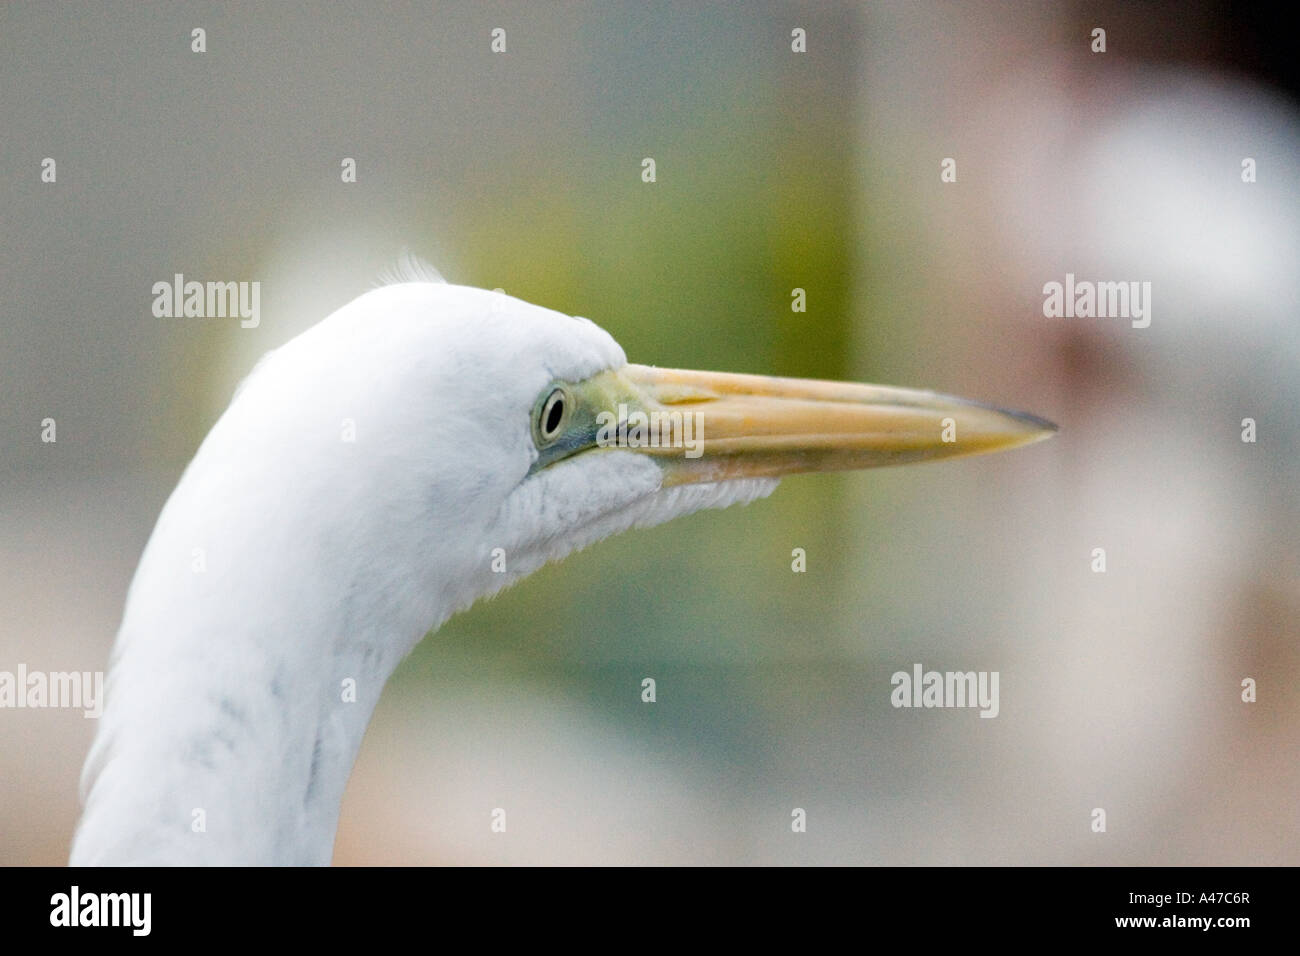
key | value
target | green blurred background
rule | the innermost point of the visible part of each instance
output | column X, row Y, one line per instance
column 775, row 170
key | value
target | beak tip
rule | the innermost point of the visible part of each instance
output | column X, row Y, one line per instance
column 1045, row 428
column 1030, row 428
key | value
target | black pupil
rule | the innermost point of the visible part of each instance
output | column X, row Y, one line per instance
column 553, row 415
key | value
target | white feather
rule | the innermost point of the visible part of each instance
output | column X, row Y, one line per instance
column 289, row 561
column 410, row 268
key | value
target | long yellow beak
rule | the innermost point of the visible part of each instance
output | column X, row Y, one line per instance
column 713, row 426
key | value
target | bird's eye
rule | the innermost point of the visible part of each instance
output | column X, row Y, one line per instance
column 551, row 416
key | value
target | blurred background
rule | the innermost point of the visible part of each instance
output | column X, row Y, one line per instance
column 775, row 170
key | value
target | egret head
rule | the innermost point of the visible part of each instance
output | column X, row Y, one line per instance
column 417, row 450
column 446, row 441
column 467, row 437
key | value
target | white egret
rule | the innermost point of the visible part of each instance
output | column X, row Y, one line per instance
column 354, row 495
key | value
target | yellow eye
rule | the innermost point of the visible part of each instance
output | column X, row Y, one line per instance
column 551, row 416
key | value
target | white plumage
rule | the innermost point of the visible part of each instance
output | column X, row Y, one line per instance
column 291, row 560
column 325, row 560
